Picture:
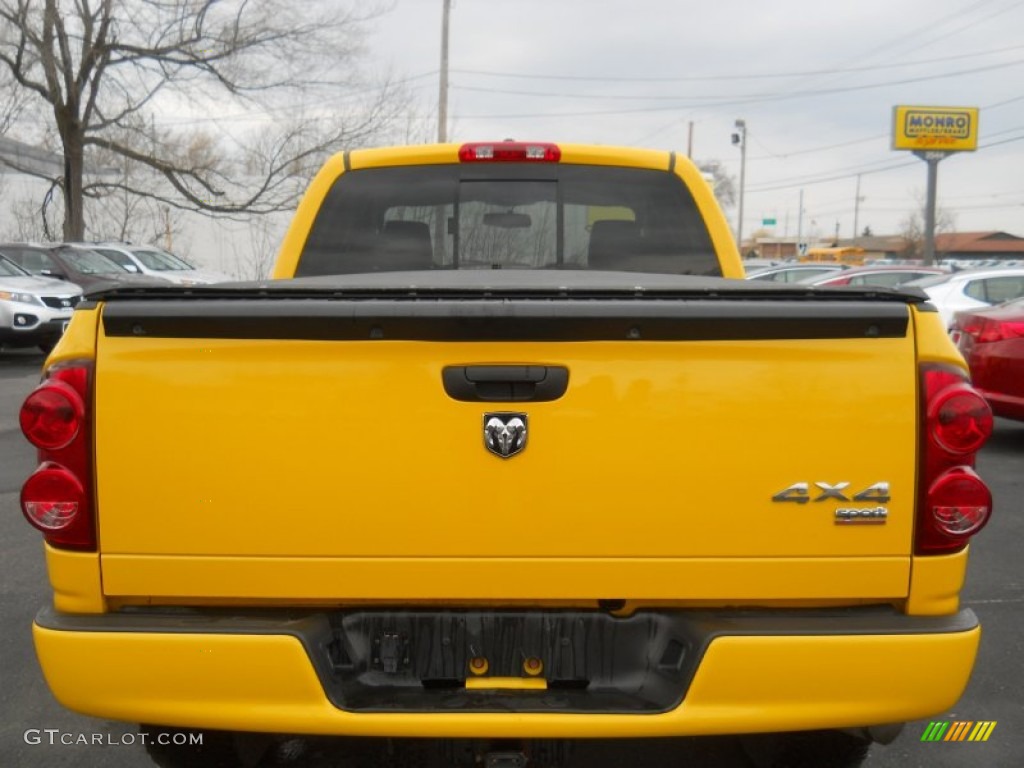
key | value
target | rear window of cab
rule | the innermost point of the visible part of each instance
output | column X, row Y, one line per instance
column 508, row 216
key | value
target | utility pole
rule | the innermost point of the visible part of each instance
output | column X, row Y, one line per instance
column 168, row 234
column 856, row 210
column 932, row 159
column 440, row 218
column 800, row 225
column 741, row 140
column 689, row 142
column 442, row 102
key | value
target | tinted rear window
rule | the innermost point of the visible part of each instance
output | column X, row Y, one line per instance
column 508, row 216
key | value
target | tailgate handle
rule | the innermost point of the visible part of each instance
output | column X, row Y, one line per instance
column 505, row 383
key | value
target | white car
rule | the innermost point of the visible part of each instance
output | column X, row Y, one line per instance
column 34, row 311
column 794, row 273
column 971, row 289
column 156, row 262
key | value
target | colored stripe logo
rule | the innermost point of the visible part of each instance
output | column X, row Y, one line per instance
column 967, row 730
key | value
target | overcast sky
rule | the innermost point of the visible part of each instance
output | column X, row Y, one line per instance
column 815, row 81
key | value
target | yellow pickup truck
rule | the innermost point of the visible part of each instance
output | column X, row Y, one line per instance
column 507, row 452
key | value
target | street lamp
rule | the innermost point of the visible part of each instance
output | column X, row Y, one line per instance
column 740, row 139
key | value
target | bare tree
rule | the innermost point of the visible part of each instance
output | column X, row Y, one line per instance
column 13, row 105
column 254, row 259
column 130, row 210
column 227, row 104
column 24, row 222
column 10, row 109
column 912, row 228
column 721, row 182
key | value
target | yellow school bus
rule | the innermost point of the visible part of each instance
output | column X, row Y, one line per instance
column 839, row 255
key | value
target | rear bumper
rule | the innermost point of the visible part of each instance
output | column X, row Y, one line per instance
column 696, row 673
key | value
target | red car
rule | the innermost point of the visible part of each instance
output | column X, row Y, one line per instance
column 991, row 339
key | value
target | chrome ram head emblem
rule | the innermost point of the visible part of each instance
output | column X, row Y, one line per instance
column 505, row 433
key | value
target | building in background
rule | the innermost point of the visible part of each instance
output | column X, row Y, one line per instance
column 980, row 246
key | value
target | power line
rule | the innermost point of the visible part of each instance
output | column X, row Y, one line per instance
column 992, row 195
column 783, row 156
column 836, row 175
column 997, row 206
column 747, row 99
column 975, row 22
column 720, row 78
column 851, row 171
column 915, row 34
column 811, row 150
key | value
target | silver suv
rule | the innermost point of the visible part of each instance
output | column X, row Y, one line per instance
column 155, row 262
column 34, row 311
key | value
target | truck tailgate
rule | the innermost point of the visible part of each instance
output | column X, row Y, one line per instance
column 270, row 460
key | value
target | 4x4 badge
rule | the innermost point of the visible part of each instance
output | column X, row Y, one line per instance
column 800, row 493
column 505, row 433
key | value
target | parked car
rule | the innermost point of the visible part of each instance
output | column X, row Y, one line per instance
column 34, row 311
column 85, row 268
column 991, row 339
column 756, row 264
column 156, row 262
column 972, row 289
column 884, row 276
column 794, row 273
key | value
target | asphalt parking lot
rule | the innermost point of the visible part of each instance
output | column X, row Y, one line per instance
column 33, row 725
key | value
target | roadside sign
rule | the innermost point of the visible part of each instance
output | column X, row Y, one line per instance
column 943, row 129
column 934, row 133
column 767, row 222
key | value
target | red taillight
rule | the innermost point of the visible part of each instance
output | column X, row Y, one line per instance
column 960, row 502
column 57, row 497
column 52, row 415
column 985, row 330
column 52, row 498
column 509, row 151
column 959, row 419
column 953, row 502
column 991, row 330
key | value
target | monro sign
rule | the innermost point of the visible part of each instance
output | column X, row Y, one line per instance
column 944, row 129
